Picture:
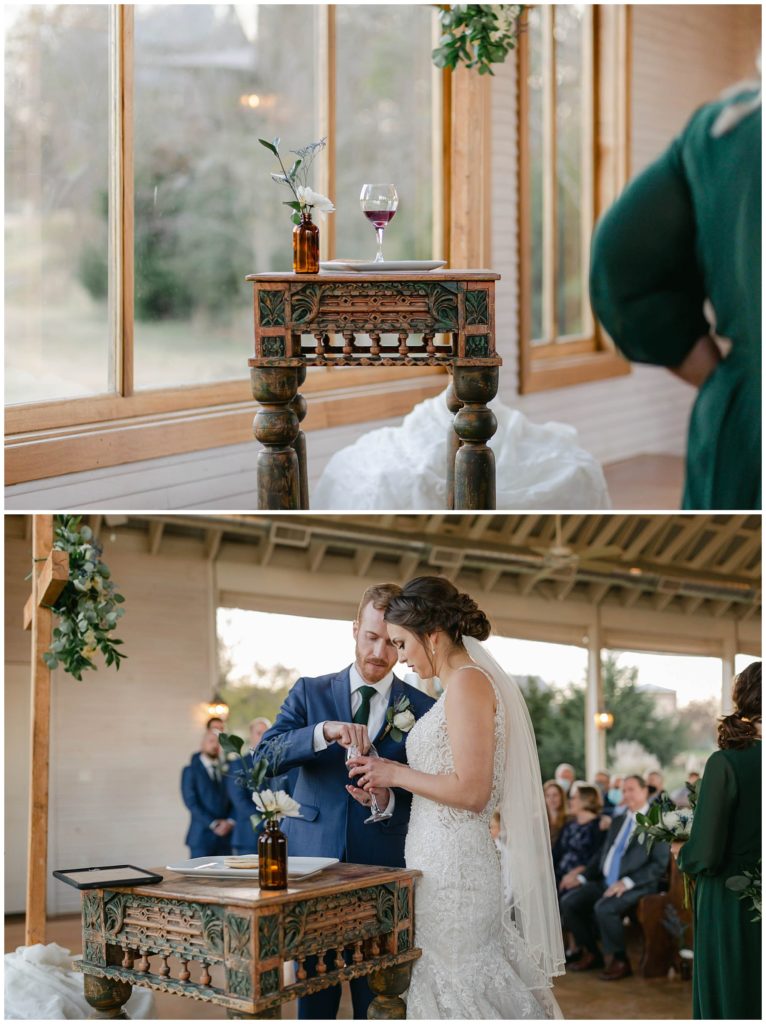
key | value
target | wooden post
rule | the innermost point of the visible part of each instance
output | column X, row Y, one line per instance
column 48, row 580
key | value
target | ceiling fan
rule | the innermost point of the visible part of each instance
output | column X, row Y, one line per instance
column 562, row 561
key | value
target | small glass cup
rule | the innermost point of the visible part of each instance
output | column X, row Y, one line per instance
column 377, row 813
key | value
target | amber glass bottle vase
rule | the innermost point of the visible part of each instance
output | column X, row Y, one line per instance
column 306, row 246
column 272, row 857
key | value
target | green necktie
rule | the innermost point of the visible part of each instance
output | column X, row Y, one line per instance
column 362, row 715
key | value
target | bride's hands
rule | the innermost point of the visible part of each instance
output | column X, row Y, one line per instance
column 363, row 797
column 374, row 772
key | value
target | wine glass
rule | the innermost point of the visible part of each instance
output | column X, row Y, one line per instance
column 377, row 814
column 379, row 203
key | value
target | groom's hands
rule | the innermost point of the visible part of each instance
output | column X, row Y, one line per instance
column 348, row 734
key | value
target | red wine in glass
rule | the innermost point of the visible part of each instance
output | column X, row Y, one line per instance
column 379, row 203
column 380, row 218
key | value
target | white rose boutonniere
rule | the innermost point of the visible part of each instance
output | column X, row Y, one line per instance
column 400, row 719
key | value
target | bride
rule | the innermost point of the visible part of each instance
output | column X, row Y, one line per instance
column 488, row 924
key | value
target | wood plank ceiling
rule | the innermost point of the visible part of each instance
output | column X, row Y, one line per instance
column 693, row 564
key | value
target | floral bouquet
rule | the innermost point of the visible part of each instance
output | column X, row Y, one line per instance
column 270, row 805
column 296, row 179
column 748, row 886
column 668, row 823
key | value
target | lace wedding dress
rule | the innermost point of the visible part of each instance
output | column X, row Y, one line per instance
column 537, row 465
column 473, row 966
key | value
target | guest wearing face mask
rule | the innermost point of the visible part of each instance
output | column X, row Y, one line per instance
column 565, row 776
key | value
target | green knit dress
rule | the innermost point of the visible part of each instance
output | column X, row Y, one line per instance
column 688, row 228
column 725, row 839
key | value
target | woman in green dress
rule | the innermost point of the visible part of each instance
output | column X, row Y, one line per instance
column 687, row 230
column 725, row 840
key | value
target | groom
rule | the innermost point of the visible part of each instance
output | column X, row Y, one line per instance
column 319, row 718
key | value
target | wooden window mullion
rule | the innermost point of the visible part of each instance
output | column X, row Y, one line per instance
column 326, row 118
column 121, row 200
column 550, row 327
column 588, row 154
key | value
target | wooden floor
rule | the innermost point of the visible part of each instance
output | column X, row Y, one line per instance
column 646, row 482
column 580, row 996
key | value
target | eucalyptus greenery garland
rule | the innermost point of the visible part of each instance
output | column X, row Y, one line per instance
column 477, row 35
column 87, row 608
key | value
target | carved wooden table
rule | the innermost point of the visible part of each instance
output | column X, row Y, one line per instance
column 304, row 320
column 225, row 943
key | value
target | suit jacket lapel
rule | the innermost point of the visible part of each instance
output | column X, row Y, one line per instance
column 341, row 691
column 397, row 691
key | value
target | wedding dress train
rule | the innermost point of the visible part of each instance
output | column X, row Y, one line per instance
column 474, row 964
column 404, row 467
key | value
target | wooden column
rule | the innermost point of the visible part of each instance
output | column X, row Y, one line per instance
column 595, row 739
column 728, row 655
column 41, row 624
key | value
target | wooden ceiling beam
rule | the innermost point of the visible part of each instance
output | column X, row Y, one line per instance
column 363, row 558
column 652, row 526
column 213, row 540
column 706, row 557
column 688, row 533
column 742, row 555
column 156, row 529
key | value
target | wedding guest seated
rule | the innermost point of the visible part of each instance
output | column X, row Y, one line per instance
column 601, row 782
column 565, row 776
column 580, row 837
column 556, row 806
column 656, row 783
column 204, row 793
column 680, row 796
column 614, row 880
column 615, row 796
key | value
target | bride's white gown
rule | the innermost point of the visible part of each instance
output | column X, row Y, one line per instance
column 471, row 964
column 404, row 467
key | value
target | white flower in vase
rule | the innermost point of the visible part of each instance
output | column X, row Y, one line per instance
column 308, row 198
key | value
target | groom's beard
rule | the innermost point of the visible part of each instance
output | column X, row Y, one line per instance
column 373, row 670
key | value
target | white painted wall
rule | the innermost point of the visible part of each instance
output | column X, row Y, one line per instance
column 118, row 739
column 683, row 56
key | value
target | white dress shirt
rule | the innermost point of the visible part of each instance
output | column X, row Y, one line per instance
column 628, row 823
column 378, row 708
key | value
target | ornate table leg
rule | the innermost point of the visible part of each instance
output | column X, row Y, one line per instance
column 106, row 996
column 453, row 443
column 475, row 386
column 388, row 986
column 276, row 427
column 298, row 406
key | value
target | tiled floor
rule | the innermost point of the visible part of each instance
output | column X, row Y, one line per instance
column 581, row 996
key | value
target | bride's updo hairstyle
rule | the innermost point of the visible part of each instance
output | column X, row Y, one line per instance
column 430, row 603
column 740, row 729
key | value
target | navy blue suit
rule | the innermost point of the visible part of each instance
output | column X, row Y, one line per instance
column 207, row 800
column 244, row 838
column 332, row 822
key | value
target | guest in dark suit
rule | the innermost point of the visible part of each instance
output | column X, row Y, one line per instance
column 204, row 793
column 614, row 880
column 318, row 720
column 244, row 838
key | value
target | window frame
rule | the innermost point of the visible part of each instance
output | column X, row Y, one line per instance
column 54, row 437
column 564, row 361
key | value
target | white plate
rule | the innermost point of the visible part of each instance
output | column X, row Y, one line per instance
column 297, row 867
column 388, row 266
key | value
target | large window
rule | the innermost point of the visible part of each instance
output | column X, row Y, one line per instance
column 138, row 198
column 573, row 147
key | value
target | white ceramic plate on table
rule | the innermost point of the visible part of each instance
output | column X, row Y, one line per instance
column 388, row 266
column 298, row 868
